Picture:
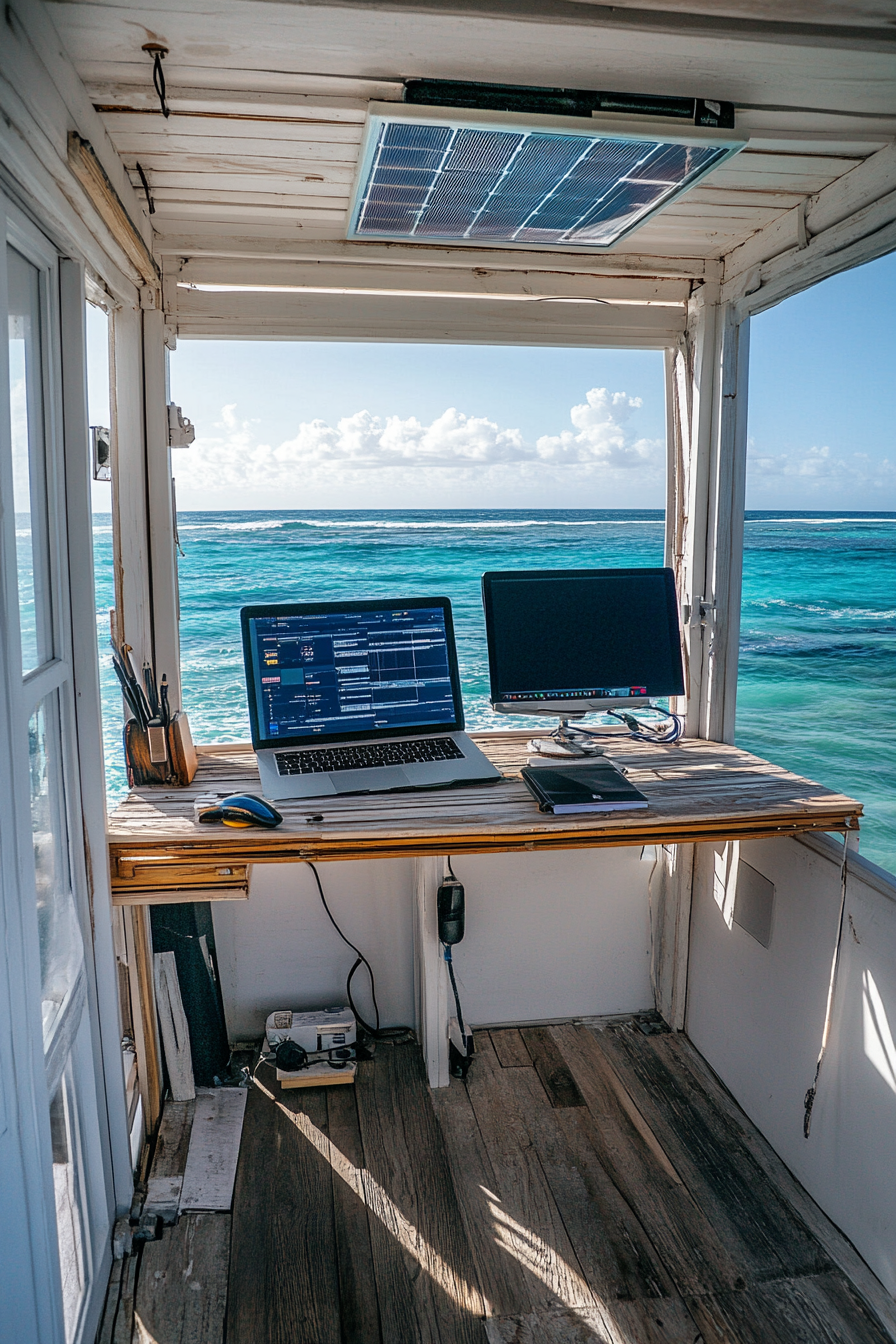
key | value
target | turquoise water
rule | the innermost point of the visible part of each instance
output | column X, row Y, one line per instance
column 817, row 669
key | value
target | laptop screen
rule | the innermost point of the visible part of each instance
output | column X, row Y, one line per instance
column 357, row 670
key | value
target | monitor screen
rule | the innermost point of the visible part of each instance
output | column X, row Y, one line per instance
column 579, row 639
column 352, row 670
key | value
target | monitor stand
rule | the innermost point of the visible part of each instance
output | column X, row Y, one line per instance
column 567, row 742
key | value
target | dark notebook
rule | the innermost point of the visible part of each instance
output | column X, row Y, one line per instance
column 591, row 786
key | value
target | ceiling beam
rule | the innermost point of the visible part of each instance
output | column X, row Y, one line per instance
column 474, row 283
column 191, row 246
column 316, row 317
column 584, row 14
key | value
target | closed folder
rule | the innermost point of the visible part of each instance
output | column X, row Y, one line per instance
column 594, row 786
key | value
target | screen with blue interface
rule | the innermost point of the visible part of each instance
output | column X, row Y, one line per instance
column 350, row 672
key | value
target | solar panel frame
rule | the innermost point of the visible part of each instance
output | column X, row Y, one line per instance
column 397, row 182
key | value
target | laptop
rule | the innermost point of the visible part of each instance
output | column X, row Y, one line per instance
column 357, row 697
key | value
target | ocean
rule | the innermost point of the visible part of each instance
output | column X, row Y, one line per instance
column 818, row 637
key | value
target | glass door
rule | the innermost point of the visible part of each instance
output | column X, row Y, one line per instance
column 37, row 670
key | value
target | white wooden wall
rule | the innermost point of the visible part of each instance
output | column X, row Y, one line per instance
column 757, row 1013
column 549, row 936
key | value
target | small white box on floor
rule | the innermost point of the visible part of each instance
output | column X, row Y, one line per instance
column 321, row 1029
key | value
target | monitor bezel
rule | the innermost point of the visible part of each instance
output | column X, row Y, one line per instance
column 262, row 743
column 578, row 707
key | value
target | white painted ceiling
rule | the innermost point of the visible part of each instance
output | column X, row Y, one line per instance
column 268, row 100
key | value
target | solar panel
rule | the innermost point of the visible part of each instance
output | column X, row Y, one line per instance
column 443, row 181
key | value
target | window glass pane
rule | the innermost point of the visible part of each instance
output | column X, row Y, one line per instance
column 27, row 425
column 69, row 1222
column 61, row 948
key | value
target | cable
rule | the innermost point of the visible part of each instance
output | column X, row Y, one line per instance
column 460, row 1016
column 832, row 985
column 638, row 729
column 158, row 79
column 149, row 201
column 394, row 1034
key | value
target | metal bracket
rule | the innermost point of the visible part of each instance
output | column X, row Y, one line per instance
column 181, row 432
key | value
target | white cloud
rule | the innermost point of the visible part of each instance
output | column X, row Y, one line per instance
column 602, row 436
column 819, row 470
column 366, row 452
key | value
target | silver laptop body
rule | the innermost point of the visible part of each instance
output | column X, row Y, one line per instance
column 357, row 697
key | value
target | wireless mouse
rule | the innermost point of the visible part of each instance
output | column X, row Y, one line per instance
column 242, row 809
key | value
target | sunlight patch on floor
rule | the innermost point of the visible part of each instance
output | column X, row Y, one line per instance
column 371, row 1193
column 564, row 1282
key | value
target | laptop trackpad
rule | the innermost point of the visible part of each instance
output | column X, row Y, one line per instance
column 359, row 781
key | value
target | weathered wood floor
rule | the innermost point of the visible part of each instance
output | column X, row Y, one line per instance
column 584, row 1185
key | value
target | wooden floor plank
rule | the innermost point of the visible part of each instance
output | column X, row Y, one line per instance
column 182, row 1286
column 426, row 1278
column 386, row 1214
column 668, row 1322
column 509, row 1048
column 214, row 1149
column 617, row 1258
column 811, row 1309
column 506, row 1285
column 551, row 1067
column 124, row 1317
column 528, row 1225
column 676, row 1047
column 284, row 1287
column 643, row 1174
column 173, row 1140
column 165, row 1183
column 358, row 1300
column 769, row 1240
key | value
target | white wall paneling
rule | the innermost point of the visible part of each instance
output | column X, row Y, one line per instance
column 757, row 1013
column 548, row 936
column 42, row 98
column 551, row 936
column 279, row 950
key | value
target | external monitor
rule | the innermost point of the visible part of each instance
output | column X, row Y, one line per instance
column 574, row 641
column 366, row 669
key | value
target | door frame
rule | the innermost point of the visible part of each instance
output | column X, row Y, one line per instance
column 72, row 674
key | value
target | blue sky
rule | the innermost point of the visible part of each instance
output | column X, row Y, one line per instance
column 299, row 425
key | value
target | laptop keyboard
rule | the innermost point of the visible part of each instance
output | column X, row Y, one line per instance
column 367, row 755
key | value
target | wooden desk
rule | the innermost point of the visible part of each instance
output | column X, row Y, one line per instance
column 697, row 790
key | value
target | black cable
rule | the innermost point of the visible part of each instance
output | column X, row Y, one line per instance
column 460, row 1016
column 377, row 1032
column 158, row 79
column 450, row 961
column 149, row 201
